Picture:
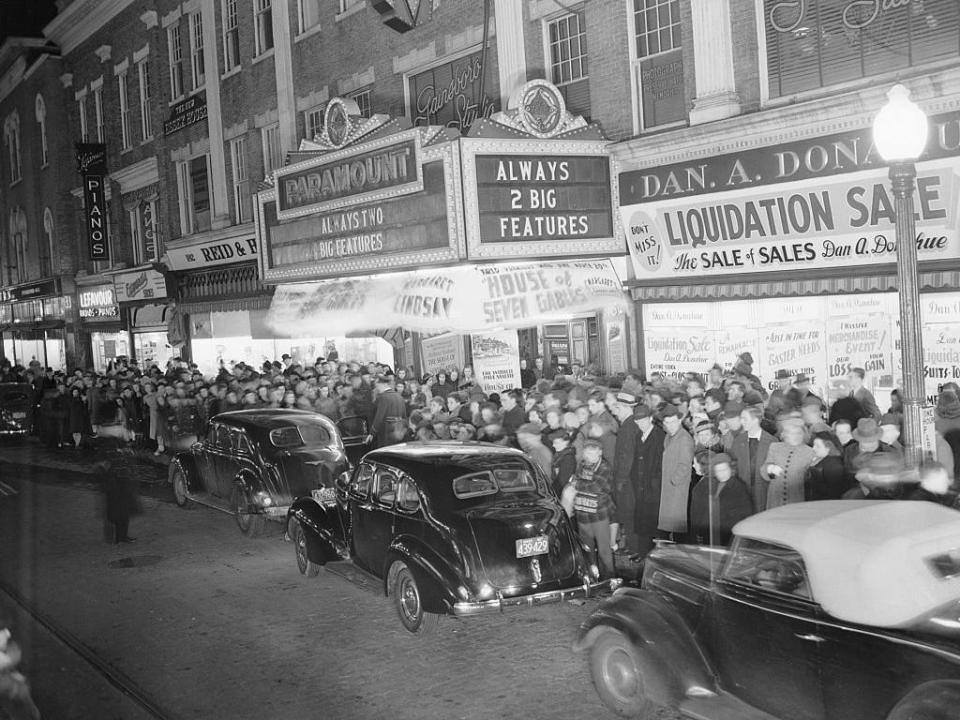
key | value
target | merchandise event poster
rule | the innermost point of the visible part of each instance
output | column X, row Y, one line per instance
column 496, row 360
column 441, row 353
column 810, row 224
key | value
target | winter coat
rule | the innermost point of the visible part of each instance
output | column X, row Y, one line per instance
column 675, row 488
column 825, row 480
column 645, row 479
column 732, row 504
column 78, row 419
column 389, row 411
column 751, row 476
column 789, row 486
column 563, row 466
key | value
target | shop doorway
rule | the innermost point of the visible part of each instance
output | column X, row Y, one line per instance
column 574, row 341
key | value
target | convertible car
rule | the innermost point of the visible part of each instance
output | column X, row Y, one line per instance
column 253, row 463
column 447, row 527
column 839, row 610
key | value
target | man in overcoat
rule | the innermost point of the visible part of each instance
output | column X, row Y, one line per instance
column 645, row 478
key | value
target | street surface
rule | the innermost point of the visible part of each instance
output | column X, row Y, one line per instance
column 197, row 621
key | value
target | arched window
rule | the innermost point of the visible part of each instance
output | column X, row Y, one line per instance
column 15, row 259
column 11, row 138
column 40, row 109
column 46, row 247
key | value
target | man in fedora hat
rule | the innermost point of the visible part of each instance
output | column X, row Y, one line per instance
column 866, row 443
column 623, row 458
column 779, row 401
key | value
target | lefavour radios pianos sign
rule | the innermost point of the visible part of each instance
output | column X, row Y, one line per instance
column 92, row 164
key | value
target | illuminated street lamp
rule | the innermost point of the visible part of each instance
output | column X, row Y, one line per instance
column 900, row 135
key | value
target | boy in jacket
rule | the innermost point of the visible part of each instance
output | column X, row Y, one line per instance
column 593, row 505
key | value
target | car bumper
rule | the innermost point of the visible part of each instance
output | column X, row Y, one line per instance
column 275, row 511
column 14, row 431
column 462, row 609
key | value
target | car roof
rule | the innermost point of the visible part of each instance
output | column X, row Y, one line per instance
column 266, row 419
column 868, row 561
column 446, row 458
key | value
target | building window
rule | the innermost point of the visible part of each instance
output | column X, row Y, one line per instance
column 11, row 137
column 193, row 186
column 82, row 111
column 308, row 14
column 46, row 248
column 241, row 187
column 659, row 66
column 143, row 231
column 231, row 35
column 272, row 158
column 313, row 122
column 363, row 101
column 263, row 25
column 17, row 248
column 40, row 109
column 146, row 127
column 196, row 51
column 818, row 43
column 567, row 43
column 98, row 112
column 176, row 61
column 126, row 134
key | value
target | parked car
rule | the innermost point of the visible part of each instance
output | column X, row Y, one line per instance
column 16, row 408
column 840, row 610
column 447, row 527
column 253, row 463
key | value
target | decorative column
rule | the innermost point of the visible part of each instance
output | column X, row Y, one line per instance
column 283, row 66
column 511, row 55
column 219, row 200
column 713, row 62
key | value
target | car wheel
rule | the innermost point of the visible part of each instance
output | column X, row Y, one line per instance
column 409, row 604
column 180, row 492
column 615, row 666
column 250, row 524
column 304, row 563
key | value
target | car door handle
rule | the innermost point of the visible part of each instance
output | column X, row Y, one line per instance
column 809, row 637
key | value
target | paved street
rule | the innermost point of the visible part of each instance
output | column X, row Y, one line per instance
column 205, row 623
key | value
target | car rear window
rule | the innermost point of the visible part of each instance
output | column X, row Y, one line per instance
column 15, row 396
column 490, row 482
column 299, row 435
column 945, row 566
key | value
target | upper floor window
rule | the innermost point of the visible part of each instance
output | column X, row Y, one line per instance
column 176, row 61
column 263, row 25
column 242, row 210
column 143, row 73
column 16, row 259
column 82, row 111
column 817, row 43
column 231, row 35
column 197, row 70
column 46, row 247
column 126, row 134
column 659, row 69
column 40, row 109
column 364, row 101
column 11, row 138
column 308, row 14
column 193, row 186
column 98, row 112
column 313, row 122
column 272, row 157
column 567, row 42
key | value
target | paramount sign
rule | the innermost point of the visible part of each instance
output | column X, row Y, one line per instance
column 349, row 178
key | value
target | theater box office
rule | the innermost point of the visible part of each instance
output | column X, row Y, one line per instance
column 35, row 319
column 452, row 238
column 786, row 249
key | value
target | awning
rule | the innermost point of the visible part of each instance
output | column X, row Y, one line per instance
column 465, row 298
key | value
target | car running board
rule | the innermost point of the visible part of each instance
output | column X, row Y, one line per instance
column 202, row 500
column 355, row 575
column 721, row 707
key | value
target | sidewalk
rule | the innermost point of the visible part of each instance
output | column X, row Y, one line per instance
column 30, row 453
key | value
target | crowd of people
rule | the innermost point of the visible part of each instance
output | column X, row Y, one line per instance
column 627, row 455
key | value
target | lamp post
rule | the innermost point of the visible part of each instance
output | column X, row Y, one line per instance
column 900, row 135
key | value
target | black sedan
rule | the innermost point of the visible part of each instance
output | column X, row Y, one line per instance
column 253, row 463
column 833, row 610
column 16, row 408
column 447, row 527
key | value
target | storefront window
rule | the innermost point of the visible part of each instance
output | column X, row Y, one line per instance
column 818, row 43
column 108, row 346
column 151, row 348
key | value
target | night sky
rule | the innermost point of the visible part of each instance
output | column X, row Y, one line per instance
column 25, row 17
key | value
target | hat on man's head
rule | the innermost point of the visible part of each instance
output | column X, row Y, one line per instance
column 890, row 419
column 592, row 442
column 720, row 459
column 732, row 409
column 704, row 425
column 809, row 400
column 867, row 429
column 782, row 374
column 884, row 463
column 752, row 397
column 668, row 411
column 642, row 411
column 560, row 434
column 742, row 368
column 628, row 399
column 801, row 379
